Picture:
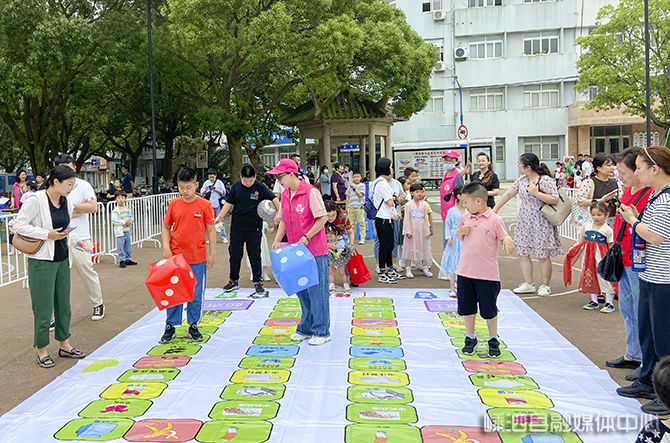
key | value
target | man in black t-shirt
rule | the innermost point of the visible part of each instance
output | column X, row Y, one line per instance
column 245, row 227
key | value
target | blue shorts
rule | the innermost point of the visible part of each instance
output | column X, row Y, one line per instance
column 472, row 291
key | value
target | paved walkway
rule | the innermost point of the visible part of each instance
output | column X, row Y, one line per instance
column 598, row 336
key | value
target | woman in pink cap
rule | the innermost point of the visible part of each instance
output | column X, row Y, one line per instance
column 450, row 180
column 303, row 216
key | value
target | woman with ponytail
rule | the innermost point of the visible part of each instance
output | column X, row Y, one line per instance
column 600, row 187
column 533, row 235
column 47, row 217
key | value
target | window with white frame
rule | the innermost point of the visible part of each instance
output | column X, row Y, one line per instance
column 541, row 96
column 439, row 44
column 392, row 3
column 546, row 148
column 488, row 46
column 540, row 43
column 487, row 99
column 500, row 151
column 432, row 5
column 483, row 3
column 436, row 104
column 537, row 1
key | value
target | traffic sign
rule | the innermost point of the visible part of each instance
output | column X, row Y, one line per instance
column 462, row 132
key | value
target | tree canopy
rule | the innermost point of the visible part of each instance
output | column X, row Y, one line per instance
column 613, row 59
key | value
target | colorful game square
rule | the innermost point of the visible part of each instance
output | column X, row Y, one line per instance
column 296, row 313
column 376, row 351
column 375, row 332
column 148, row 375
column 91, row 429
column 503, row 381
column 272, row 351
column 163, row 430
column 277, row 330
column 373, row 301
column 260, row 376
column 120, row 408
column 483, row 354
column 441, row 305
column 252, row 391
column 494, row 367
column 375, row 412
column 282, row 322
column 175, row 349
column 375, row 314
column 360, row 340
column 381, row 433
column 451, row 434
column 226, row 305
column 206, row 321
column 267, row 362
column 162, row 361
column 482, row 346
column 381, row 395
column 244, row 410
column 216, row 314
column 377, row 378
column 481, row 333
column 274, row 340
column 524, row 437
column 292, row 301
column 377, row 364
column 502, row 398
column 134, row 390
column 373, row 322
column 182, row 331
column 247, row 431
column 528, row 420
column 375, row 308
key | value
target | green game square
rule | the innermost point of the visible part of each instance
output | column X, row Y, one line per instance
column 388, row 308
column 185, row 339
column 459, row 342
column 377, row 364
column 523, row 437
column 374, row 314
column 274, row 340
column 484, row 355
column 91, row 429
column 368, row 433
column 244, row 410
column 376, row 413
column 373, row 301
column 216, row 314
column 288, row 302
column 132, row 407
column 482, row 334
column 516, row 382
column 455, row 316
column 381, row 395
column 206, row 329
column 148, row 375
column 252, row 431
column 267, row 362
column 226, row 295
column 528, row 420
column 246, row 391
column 360, row 340
column 286, row 314
column 175, row 349
column 285, row 308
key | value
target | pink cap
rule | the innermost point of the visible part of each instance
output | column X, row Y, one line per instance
column 451, row 153
column 284, row 165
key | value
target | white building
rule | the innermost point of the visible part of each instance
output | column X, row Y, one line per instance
column 515, row 61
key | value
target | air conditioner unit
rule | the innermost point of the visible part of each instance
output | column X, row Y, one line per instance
column 460, row 54
column 440, row 66
column 439, row 15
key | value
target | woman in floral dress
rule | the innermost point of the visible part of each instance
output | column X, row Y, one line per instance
column 533, row 235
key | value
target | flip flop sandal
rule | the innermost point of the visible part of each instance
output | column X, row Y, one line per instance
column 45, row 362
column 74, row 353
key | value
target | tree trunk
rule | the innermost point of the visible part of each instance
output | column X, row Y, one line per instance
column 167, row 159
column 256, row 159
column 235, row 147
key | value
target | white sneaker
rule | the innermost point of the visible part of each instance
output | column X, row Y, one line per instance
column 384, row 278
column 525, row 288
column 225, row 240
column 317, row 341
column 427, row 272
column 331, row 287
column 544, row 291
column 266, row 277
column 377, row 269
column 401, row 264
column 408, row 273
column 361, row 242
column 297, row 336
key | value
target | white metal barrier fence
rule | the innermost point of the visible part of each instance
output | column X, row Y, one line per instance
column 570, row 228
column 148, row 213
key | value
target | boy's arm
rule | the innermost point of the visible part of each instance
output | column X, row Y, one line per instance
column 116, row 218
column 165, row 237
column 211, row 235
column 223, row 213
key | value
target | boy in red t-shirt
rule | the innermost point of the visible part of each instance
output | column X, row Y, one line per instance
column 187, row 219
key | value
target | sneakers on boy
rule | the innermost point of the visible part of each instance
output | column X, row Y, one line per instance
column 391, row 272
column 260, row 291
column 130, row 263
column 297, row 336
column 494, row 347
column 231, row 286
column 470, row 344
column 590, row 306
column 318, row 341
column 98, row 312
column 607, row 308
column 386, row 278
column 122, row 264
column 194, row 333
column 168, row 335
column 524, row 288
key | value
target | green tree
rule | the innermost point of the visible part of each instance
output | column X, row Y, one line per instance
column 255, row 55
column 613, row 59
column 12, row 156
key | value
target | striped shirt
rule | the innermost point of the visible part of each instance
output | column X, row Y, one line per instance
column 124, row 212
column 657, row 257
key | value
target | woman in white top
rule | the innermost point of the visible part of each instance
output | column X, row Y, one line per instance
column 384, row 201
column 47, row 217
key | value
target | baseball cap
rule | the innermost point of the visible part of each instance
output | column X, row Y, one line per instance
column 284, row 165
column 451, row 153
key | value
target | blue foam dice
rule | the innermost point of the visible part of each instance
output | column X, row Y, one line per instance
column 294, row 268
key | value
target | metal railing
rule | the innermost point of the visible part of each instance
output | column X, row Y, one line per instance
column 148, row 213
column 571, row 226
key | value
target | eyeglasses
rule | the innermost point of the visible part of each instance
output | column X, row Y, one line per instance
column 650, row 157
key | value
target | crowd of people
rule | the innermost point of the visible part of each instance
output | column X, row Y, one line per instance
column 627, row 198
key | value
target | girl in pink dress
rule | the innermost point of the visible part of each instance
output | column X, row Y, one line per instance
column 417, row 231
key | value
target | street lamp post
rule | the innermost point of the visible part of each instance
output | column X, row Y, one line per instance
column 154, row 186
column 646, row 72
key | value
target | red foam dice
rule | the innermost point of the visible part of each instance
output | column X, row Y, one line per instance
column 170, row 282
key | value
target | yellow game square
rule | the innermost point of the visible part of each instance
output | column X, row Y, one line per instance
column 377, row 378
column 500, row 398
column 133, row 390
column 460, row 323
column 277, row 330
column 260, row 376
column 207, row 321
column 382, row 331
